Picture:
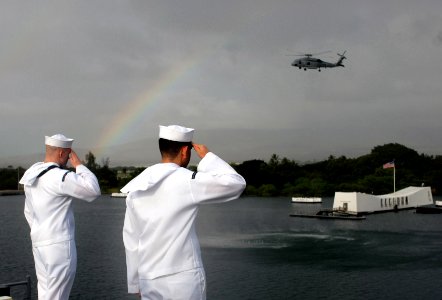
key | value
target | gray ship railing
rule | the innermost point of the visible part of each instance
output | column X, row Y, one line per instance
column 5, row 288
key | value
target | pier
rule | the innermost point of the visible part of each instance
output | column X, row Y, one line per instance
column 5, row 288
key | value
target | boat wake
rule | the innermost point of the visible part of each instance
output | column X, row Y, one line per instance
column 276, row 240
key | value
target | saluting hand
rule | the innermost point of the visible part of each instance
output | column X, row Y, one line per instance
column 200, row 149
column 75, row 161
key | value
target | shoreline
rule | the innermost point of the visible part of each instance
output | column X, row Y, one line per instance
column 11, row 192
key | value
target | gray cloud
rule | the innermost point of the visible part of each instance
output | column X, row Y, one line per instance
column 221, row 67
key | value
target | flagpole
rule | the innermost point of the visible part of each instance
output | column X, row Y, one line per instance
column 394, row 178
column 388, row 166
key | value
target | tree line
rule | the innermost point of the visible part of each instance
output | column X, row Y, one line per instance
column 285, row 177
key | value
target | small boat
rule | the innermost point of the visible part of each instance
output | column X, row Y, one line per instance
column 119, row 195
column 438, row 203
column 306, row 200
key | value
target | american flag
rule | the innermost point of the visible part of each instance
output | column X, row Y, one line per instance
column 388, row 165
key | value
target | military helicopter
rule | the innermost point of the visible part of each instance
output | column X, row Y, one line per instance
column 310, row 62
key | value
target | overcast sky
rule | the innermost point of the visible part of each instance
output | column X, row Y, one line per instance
column 107, row 73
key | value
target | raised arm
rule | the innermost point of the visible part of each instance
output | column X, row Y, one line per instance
column 82, row 184
column 216, row 180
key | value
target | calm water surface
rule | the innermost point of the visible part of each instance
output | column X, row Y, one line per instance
column 252, row 249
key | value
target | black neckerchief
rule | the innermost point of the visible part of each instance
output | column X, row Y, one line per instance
column 50, row 168
column 46, row 170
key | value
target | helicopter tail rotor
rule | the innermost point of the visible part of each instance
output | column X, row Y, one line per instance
column 343, row 55
column 341, row 58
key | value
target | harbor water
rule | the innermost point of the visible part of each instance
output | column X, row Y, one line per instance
column 253, row 249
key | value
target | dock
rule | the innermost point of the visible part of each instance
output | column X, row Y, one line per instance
column 428, row 210
column 331, row 214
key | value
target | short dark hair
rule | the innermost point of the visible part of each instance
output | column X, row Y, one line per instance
column 171, row 148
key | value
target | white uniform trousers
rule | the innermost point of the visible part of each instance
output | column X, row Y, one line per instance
column 187, row 285
column 55, row 266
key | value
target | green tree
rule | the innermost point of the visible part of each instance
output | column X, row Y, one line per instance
column 90, row 162
column 267, row 190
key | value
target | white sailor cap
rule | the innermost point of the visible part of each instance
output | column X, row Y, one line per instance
column 58, row 140
column 176, row 133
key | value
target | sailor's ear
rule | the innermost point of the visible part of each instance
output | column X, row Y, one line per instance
column 185, row 154
column 184, row 150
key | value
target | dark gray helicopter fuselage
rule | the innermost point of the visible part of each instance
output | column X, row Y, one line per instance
column 309, row 62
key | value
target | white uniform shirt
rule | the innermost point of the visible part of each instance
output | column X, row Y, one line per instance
column 159, row 227
column 48, row 201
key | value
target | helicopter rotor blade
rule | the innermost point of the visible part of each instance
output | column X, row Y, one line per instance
column 300, row 54
column 323, row 52
column 309, row 54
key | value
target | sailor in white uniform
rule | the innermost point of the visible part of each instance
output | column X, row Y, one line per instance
column 162, row 250
column 49, row 191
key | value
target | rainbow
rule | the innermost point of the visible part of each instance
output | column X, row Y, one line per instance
column 136, row 109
